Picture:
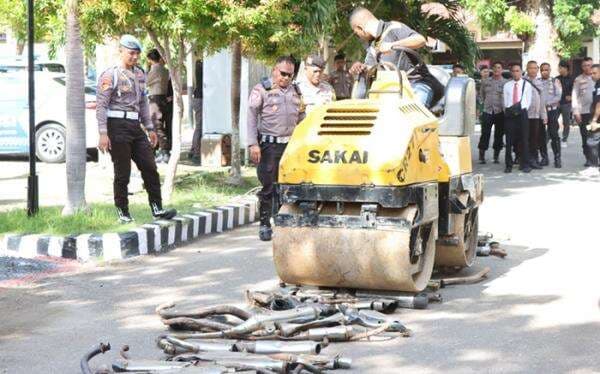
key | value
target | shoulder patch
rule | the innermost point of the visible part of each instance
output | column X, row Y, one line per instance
column 105, row 82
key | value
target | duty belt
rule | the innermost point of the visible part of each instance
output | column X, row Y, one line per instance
column 122, row 114
column 274, row 139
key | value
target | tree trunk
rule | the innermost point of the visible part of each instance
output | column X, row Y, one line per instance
column 76, row 145
column 541, row 47
column 20, row 47
column 176, row 66
column 235, row 172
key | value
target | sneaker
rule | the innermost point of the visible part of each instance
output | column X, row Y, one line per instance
column 563, row 144
column 265, row 233
column 159, row 212
column 166, row 157
column 124, row 216
column 590, row 172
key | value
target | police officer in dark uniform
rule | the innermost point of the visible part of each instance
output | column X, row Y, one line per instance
column 274, row 109
column 593, row 140
column 122, row 109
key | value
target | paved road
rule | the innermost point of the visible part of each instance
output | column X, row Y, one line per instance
column 538, row 311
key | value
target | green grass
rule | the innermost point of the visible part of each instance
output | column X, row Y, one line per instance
column 192, row 191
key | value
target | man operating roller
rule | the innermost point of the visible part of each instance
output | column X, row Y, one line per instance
column 383, row 39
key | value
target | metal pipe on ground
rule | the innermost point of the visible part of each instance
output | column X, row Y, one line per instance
column 85, row 361
column 165, row 311
column 271, row 347
column 409, row 301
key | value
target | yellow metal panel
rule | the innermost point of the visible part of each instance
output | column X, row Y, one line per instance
column 456, row 151
column 385, row 140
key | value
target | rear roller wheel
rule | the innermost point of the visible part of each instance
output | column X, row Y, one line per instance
column 459, row 250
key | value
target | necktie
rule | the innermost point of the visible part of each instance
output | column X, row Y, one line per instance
column 516, row 93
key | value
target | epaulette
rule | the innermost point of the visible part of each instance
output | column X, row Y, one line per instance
column 266, row 83
column 297, row 88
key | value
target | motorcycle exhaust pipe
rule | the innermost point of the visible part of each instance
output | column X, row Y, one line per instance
column 338, row 333
column 289, row 329
column 274, row 347
column 418, row 301
column 199, row 346
column 257, row 321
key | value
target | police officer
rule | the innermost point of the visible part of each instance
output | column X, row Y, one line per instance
column 274, row 109
column 583, row 88
column 122, row 107
column 340, row 78
column 552, row 91
column 593, row 140
column 314, row 90
column 491, row 94
column 538, row 117
column 566, row 82
column 158, row 87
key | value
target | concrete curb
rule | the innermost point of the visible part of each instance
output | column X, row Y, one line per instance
column 151, row 238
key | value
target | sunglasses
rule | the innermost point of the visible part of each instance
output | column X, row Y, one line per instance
column 285, row 74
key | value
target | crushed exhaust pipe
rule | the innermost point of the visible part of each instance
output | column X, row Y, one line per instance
column 272, row 347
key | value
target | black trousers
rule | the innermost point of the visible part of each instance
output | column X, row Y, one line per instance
column 487, row 122
column 593, row 143
column 585, row 120
column 517, row 133
column 551, row 133
column 268, row 172
column 129, row 142
column 161, row 118
column 535, row 132
column 565, row 111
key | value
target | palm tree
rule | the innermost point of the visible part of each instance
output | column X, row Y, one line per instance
column 76, row 145
column 235, row 176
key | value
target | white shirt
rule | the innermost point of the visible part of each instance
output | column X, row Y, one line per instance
column 508, row 93
column 313, row 96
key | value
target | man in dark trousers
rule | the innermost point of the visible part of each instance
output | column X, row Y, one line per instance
column 491, row 95
column 552, row 92
column 538, row 117
column 274, row 109
column 517, row 99
column 158, row 88
column 583, row 88
column 593, row 140
column 122, row 109
column 566, row 82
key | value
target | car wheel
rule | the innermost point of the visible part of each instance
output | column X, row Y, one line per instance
column 51, row 143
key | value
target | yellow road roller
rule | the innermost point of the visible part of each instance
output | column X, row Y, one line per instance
column 375, row 191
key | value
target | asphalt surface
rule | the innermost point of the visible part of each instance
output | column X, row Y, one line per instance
column 538, row 312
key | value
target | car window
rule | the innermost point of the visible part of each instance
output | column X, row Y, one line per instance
column 90, row 87
column 54, row 68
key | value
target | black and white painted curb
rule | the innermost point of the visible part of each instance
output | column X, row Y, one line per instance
column 152, row 238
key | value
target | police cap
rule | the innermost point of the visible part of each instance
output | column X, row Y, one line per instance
column 130, row 42
column 315, row 61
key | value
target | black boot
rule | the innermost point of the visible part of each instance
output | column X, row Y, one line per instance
column 481, row 157
column 159, row 212
column 496, row 156
column 124, row 216
column 556, row 151
column 534, row 164
column 265, row 233
column 544, row 161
